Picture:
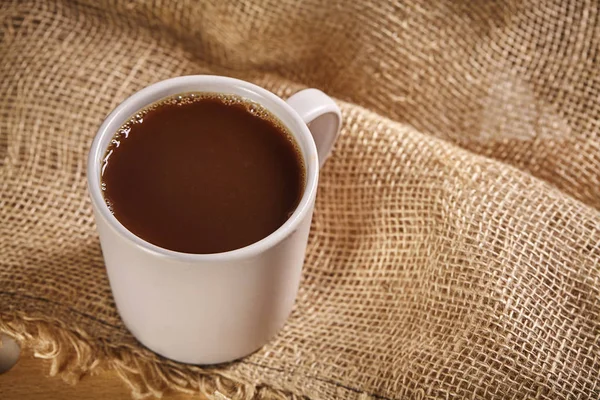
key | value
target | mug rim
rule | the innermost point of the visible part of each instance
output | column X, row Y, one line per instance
column 117, row 117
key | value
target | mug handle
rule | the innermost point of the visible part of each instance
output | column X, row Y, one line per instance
column 322, row 116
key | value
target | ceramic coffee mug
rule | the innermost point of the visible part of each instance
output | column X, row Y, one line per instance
column 213, row 308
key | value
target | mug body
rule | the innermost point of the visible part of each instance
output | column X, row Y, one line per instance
column 204, row 308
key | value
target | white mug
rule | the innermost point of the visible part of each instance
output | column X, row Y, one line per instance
column 212, row 308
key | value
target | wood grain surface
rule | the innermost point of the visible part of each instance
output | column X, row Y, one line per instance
column 29, row 380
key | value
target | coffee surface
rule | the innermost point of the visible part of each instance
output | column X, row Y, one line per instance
column 201, row 173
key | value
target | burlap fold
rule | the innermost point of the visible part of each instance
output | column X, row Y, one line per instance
column 455, row 246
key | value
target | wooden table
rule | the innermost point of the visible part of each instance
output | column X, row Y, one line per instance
column 29, row 380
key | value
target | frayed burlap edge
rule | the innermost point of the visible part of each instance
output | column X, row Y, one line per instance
column 74, row 354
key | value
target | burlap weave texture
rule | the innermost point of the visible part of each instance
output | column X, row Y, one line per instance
column 455, row 246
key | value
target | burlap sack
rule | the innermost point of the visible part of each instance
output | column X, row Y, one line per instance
column 455, row 247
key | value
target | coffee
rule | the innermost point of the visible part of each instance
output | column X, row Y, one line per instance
column 203, row 173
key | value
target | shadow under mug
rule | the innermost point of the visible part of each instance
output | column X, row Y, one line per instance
column 212, row 308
